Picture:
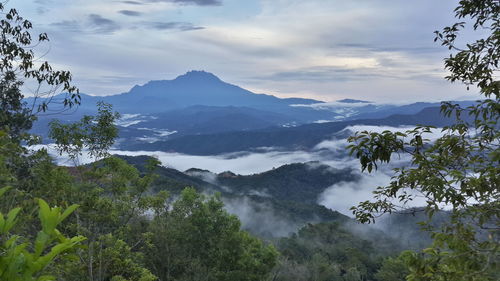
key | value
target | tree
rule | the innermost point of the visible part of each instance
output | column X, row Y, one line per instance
column 392, row 269
column 459, row 171
column 113, row 198
column 18, row 62
column 198, row 240
column 27, row 255
column 329, row 251
column 95, row 133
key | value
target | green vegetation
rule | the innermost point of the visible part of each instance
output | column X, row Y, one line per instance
column 198, row 240
column 23, row 260
column 460, row 170
column 299, row 182
column 328, row 251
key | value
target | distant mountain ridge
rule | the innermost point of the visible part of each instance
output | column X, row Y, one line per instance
column 199, row 103
column 189, row 89
column 304, row 137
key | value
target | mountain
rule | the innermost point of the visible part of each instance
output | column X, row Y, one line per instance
column 278, row 202
column 267, row 215
column 300, row 182
column 351, row 109
column 200, row 119
column 197, row 88
column 302, row 137
column 199, row 103
column 192, row 88
column 383, row 111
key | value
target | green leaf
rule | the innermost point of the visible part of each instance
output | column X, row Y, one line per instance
column 3, row 190
column 68, row 211
column 11, row 217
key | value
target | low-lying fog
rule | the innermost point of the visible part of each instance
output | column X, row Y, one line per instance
column 331, row 152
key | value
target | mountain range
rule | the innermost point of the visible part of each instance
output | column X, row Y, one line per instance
column 303, row 137
column 198, row 113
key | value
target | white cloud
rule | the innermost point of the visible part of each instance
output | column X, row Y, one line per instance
column 245, row 163
column 376, row 50
column 344, row 195
column 260, row 218
column 129, row 120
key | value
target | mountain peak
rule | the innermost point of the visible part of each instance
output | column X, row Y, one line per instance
column 197, row 75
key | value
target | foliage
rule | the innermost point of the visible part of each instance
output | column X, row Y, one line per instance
column 112, row 198
column 15, row 117
column 459, row 171
column 18, row 59
column 327, row 251
column 392, row 269
column 198, row 240
column 96, row 133
column 300, row 182
column 22, row 260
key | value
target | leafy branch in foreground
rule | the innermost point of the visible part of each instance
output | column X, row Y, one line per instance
column 18, row 60
column 22, row 260
column 458, row 171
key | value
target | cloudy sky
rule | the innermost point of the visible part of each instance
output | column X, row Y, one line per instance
column 378, row 50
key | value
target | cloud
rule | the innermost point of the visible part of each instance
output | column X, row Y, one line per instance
column 204, row 175
column 387, row 48
column 132, row 2
column 379, row 50
column 244, row 163
column 260, row 218
column 129, row 120
column 43, row 6
column 240, row 163
column 182, row 26
column 331, row 152
column 192, row 2
column 180, row 2
column 130, row 13
column 338, row 143
column 102, row 25
column 342, row 196
column 68, row 25
column 380, row 66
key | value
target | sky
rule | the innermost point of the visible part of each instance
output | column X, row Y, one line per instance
column 376, row 50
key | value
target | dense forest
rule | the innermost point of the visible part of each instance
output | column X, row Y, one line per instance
column 129, row 218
